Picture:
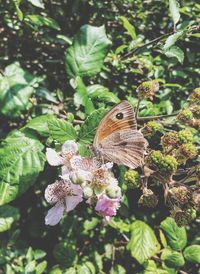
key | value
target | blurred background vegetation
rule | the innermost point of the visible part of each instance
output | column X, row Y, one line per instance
column 36, row 33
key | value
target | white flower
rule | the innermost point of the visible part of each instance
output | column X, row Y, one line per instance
column 65, row 196
column 69, row 149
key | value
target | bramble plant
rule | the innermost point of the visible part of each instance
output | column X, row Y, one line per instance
column 112, row 219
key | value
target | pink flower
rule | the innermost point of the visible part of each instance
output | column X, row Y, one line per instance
column 65, row 196
column 107, row 207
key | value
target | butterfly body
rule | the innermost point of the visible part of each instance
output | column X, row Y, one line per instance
column 117, row 138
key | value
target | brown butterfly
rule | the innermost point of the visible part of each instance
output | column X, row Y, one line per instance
column 117, row 138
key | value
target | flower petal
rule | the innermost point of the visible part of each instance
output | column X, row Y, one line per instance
column 70, row 147
column 53, row 157
column 54, row 214
column 72, row 202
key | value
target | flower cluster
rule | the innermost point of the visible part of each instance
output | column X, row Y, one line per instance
column 82, row 178
column 147, row 89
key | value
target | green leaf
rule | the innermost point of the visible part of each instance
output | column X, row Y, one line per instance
column 192, row 254
column 118, row 269
column 129, row 27
column 61, row 131
column 102, row 94
column 8, row 215
column 86, row 55
column 172, row 258
column 81, row 97
column 40, row 124
column 37, row 3
column 174, row 10
column 65, row 253
column 22, row 160
column 39, row 254
column 176, row 236
column 143, row 243
column 42, row 21
column 86, row 268
column 18, row 10
column 16, row 87
column 151, row 268
column 40, row 268
column 88, row 129
column 172, row 39
column 176, row 52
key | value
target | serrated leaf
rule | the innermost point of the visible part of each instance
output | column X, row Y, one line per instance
column 65, row 253
column 102, row 94
column 16, row 87
column 176, row 236
column 22, row 160
column 172, row 39
column 40, row 268
column 42, row 21
column 192, row 254
column 39, row 254
column 40, row 124
column 176, row 52
column 86, row 55
column 151, row 268
column 143, row 243
column 174, row 10
column 8, row 215
column 88, row 129
column 129, row 27
column 61, row 130
column 172, row 258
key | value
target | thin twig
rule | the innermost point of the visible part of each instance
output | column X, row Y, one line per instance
column 146, row 45
column 137, row 108
column 157, row 117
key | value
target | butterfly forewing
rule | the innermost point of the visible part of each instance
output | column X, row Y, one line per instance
column 117, row 138
column 121, row 117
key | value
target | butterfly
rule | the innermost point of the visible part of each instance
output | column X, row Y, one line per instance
column 117, row 138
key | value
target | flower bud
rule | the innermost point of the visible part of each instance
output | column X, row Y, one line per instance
column 185, row 136
column 113, row 191
column 87, row 192
column 77, row 177
column 132, row 178
column 147, row 89
column 148, row 199
column 185, row 116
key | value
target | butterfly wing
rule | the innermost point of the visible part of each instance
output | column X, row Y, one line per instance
column 120, row 117
column 117, row 138
column 124, row 147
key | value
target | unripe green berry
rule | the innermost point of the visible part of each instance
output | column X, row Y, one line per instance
column 189, row 151
column 153, row 127
column 168, row 164
column 185, row 116
column 185, row 136
column 156, row 157
column 132, row 177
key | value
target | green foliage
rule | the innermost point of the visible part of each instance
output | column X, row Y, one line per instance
column 16, row 87
column 66, row 42
column 176, row 236
column 143, row 243
column 8, row 215
column 22, row 160
column 86, row 55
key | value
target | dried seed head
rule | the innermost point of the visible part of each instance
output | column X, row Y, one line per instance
column 148, row 199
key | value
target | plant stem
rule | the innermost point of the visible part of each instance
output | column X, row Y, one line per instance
column 146, row 45
column 156, row 117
